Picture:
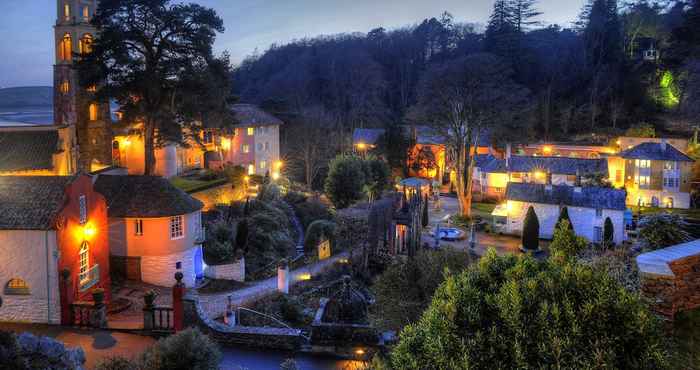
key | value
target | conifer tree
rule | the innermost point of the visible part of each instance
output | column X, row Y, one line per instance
column 608, row 232
column 531, row 231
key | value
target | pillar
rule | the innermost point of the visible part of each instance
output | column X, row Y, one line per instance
column 64, row 286
column 178, row 306
column 283, row 277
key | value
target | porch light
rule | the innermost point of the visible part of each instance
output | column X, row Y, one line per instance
column 547, row 149
column 126, row 142
column 618, row 142
column 279, row 164
column 88, row 231
column 361, row 146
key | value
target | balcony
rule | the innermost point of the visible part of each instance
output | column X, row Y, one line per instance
column 89, row 278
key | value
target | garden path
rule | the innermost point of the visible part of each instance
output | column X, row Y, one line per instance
column 215, row 304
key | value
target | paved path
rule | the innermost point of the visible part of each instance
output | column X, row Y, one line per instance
column 215, row 304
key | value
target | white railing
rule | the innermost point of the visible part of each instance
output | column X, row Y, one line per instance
column 89, row 278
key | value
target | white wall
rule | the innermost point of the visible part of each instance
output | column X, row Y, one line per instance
column 266, row 134
column 584, row 220
column 160, row 270
column 25, row 254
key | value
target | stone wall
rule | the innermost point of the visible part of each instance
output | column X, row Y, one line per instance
column 234, row 271
column 159, row 270
column 670, row 278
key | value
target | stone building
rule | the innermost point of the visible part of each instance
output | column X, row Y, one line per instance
column 54, row 249
column 155, row 229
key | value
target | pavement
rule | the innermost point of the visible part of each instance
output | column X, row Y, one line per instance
column 97, row 344
column 132, row 317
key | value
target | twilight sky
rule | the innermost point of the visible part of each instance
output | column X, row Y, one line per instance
column 26, row 49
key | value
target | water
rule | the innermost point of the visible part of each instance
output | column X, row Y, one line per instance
column 251, row 359
column 26, row 116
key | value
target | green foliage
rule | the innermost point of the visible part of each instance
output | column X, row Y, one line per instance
column 346, row 180
column 520, row 313
column 565, row 243
column 10, row 357
column 531, row 231
column 269, row 193
column 289, row 364
column 662, row 230
column 425, row 220
column 117, row 363
column 218, row 248
column 310, row 211
column 317, row 231
column 405, row 289
column 235, row 175
column 188, row 349
column 290, row 310
column 641, row 130
column 598, row 179
column 242, row 235
column 608, row 232
column 377, row 176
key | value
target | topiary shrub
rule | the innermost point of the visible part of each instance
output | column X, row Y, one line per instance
column 662, row 230
column 564, row 216
column 310, row 211
column 531, row 231
column 608, row 233
column 425, row 220
column 188, row 349
column 345, row 181
column 565, row 243
column 317, row 231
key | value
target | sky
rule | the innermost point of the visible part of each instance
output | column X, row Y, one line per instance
column 26, row 48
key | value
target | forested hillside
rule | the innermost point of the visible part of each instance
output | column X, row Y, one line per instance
column 621, row 64
column 22, row 97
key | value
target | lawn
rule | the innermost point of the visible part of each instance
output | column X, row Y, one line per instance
column 191, row 185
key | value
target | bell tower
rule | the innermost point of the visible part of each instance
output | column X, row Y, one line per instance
column 76, row 106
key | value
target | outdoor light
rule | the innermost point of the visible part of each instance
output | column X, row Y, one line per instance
column 127, row 142
column 246, row 178
column 361, row 146
column 280, row 164
column 618, row 142
column 360, row 351
column 275, row 176
column 306, row 276
column 547, row 149
column 88, row 231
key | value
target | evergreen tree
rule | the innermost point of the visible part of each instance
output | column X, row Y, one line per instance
column 242, row 235
column 602, row 33
column 531, row 231
column 564, row 215
column 523, row 13
column 500, row 37
column 608, row 232
column 425, row 220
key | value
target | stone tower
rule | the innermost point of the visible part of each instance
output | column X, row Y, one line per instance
column 74, row 106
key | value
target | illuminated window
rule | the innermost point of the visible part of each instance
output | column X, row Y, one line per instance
column 251, row 131
column 176, row 228
column 251, row 169
column 93, row 112
column 263, row 165
column 138, row 227
column 16, row 286
column 618, row 176
column 642, row 181
column 65, row 48
column 64, row 87
column 66, row 12
column 92, row 88
column 85, row 45
column 670, row 166
column 642, row 163
column 245, row 148
column 83, row 209
column 84, row 259
column 86, row 13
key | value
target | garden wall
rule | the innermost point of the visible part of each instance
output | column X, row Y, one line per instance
column 234, row 271
column 670, row 278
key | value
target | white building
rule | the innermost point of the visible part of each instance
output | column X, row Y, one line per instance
column 588, row 208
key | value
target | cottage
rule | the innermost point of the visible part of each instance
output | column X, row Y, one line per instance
column 54, row 248
column 155, row 229
column 656, row 174
column 588, row 208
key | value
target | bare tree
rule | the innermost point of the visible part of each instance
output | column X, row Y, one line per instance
column 312, row 143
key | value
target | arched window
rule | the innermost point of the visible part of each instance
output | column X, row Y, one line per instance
column 66, row 12
column 84, row 259
column 65, row 48
column 86, row 44
column 92, row 110
column 16, row 286
column 86, row 13
column 65, row 87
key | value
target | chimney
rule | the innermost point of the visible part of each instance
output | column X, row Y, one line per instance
column 663, row 145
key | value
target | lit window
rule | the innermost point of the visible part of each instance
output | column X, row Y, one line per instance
column 642, row 163
column 86, row 13
column 65, row 87
column 65, row 48
column 642, row 180
column 82, row 201
column 17, row 286
column 245, row 148
column 263, row 165
column 251, row 131
column 66, row 12
column 85, row 45
column 92, row 88
column 138, row 227
column 670, row 166
column 251, row 169
column 93, row 112
column 84, row 258
column 176, row 229
column 618, row 176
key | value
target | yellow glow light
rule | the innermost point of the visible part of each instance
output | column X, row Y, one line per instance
column 246, row 178
column 618, row 142
column 280, row 164
column 547, row 149
column 88, row 231
column 226, row 144
column 305, row 276
column 126, row 142
column 539, row 174
column 360, row 351
column 275, row 176
column 361, row 146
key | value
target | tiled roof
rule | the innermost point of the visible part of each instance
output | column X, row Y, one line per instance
column 656, row 152
column 554, row 165
column 589, row 196
column 251, row 115
column 27, row 150
column 367, row 135
column 144, row 196
column 31, row 202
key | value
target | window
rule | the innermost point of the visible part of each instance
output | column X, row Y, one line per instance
column 82, row 201
column 85, row 45
column 671, row 182
column 251, row 131
column 66, row 12
column 92, row 111
column 260, row 147
column 64, row 87
column 251, row 169
column 267, row 146
column 176, row 227
column 669, row 202
column 84, row 258
column 499, row 190
column 86, row 13
column 516, row 176
column 642, row 163
column 245, row 148
column 571, row 179
column 65, row 48
column 92, row 88
column 599, row 212
column 17, row 286
column 670, row 166
column 642, row 180
column 138, row 227
column 263, row 165
column 207, row 138
column 598, row 234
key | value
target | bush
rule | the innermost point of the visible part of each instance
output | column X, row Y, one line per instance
column 377, row 175
column 662, row 230
column 425, row 220
column 295, row 197
column 218, row 248
column 564, row 216
column 311, row 211
column 318, row 230
column 188, row 349
column 290, row 310
column 531, row 231
column 642, row 129
column 520, row 313
column 27, row 352
column 345, row 181
column 235, row 174
column 118, row 363
column 242, row 235
column 608, row 232
column 565, row 243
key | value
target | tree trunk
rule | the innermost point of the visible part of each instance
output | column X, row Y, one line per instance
column 463, row 179
column 149, row 148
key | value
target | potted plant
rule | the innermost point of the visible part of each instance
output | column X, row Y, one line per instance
column 98, row 295
column 150, row 297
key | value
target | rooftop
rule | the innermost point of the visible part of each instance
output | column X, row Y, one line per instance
column 554, row 165
column 587, row 197
column 656, row 152
column 659, row 261
column 31, row 202
column 252, row 115
column 28, row 149
column 144, row 197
